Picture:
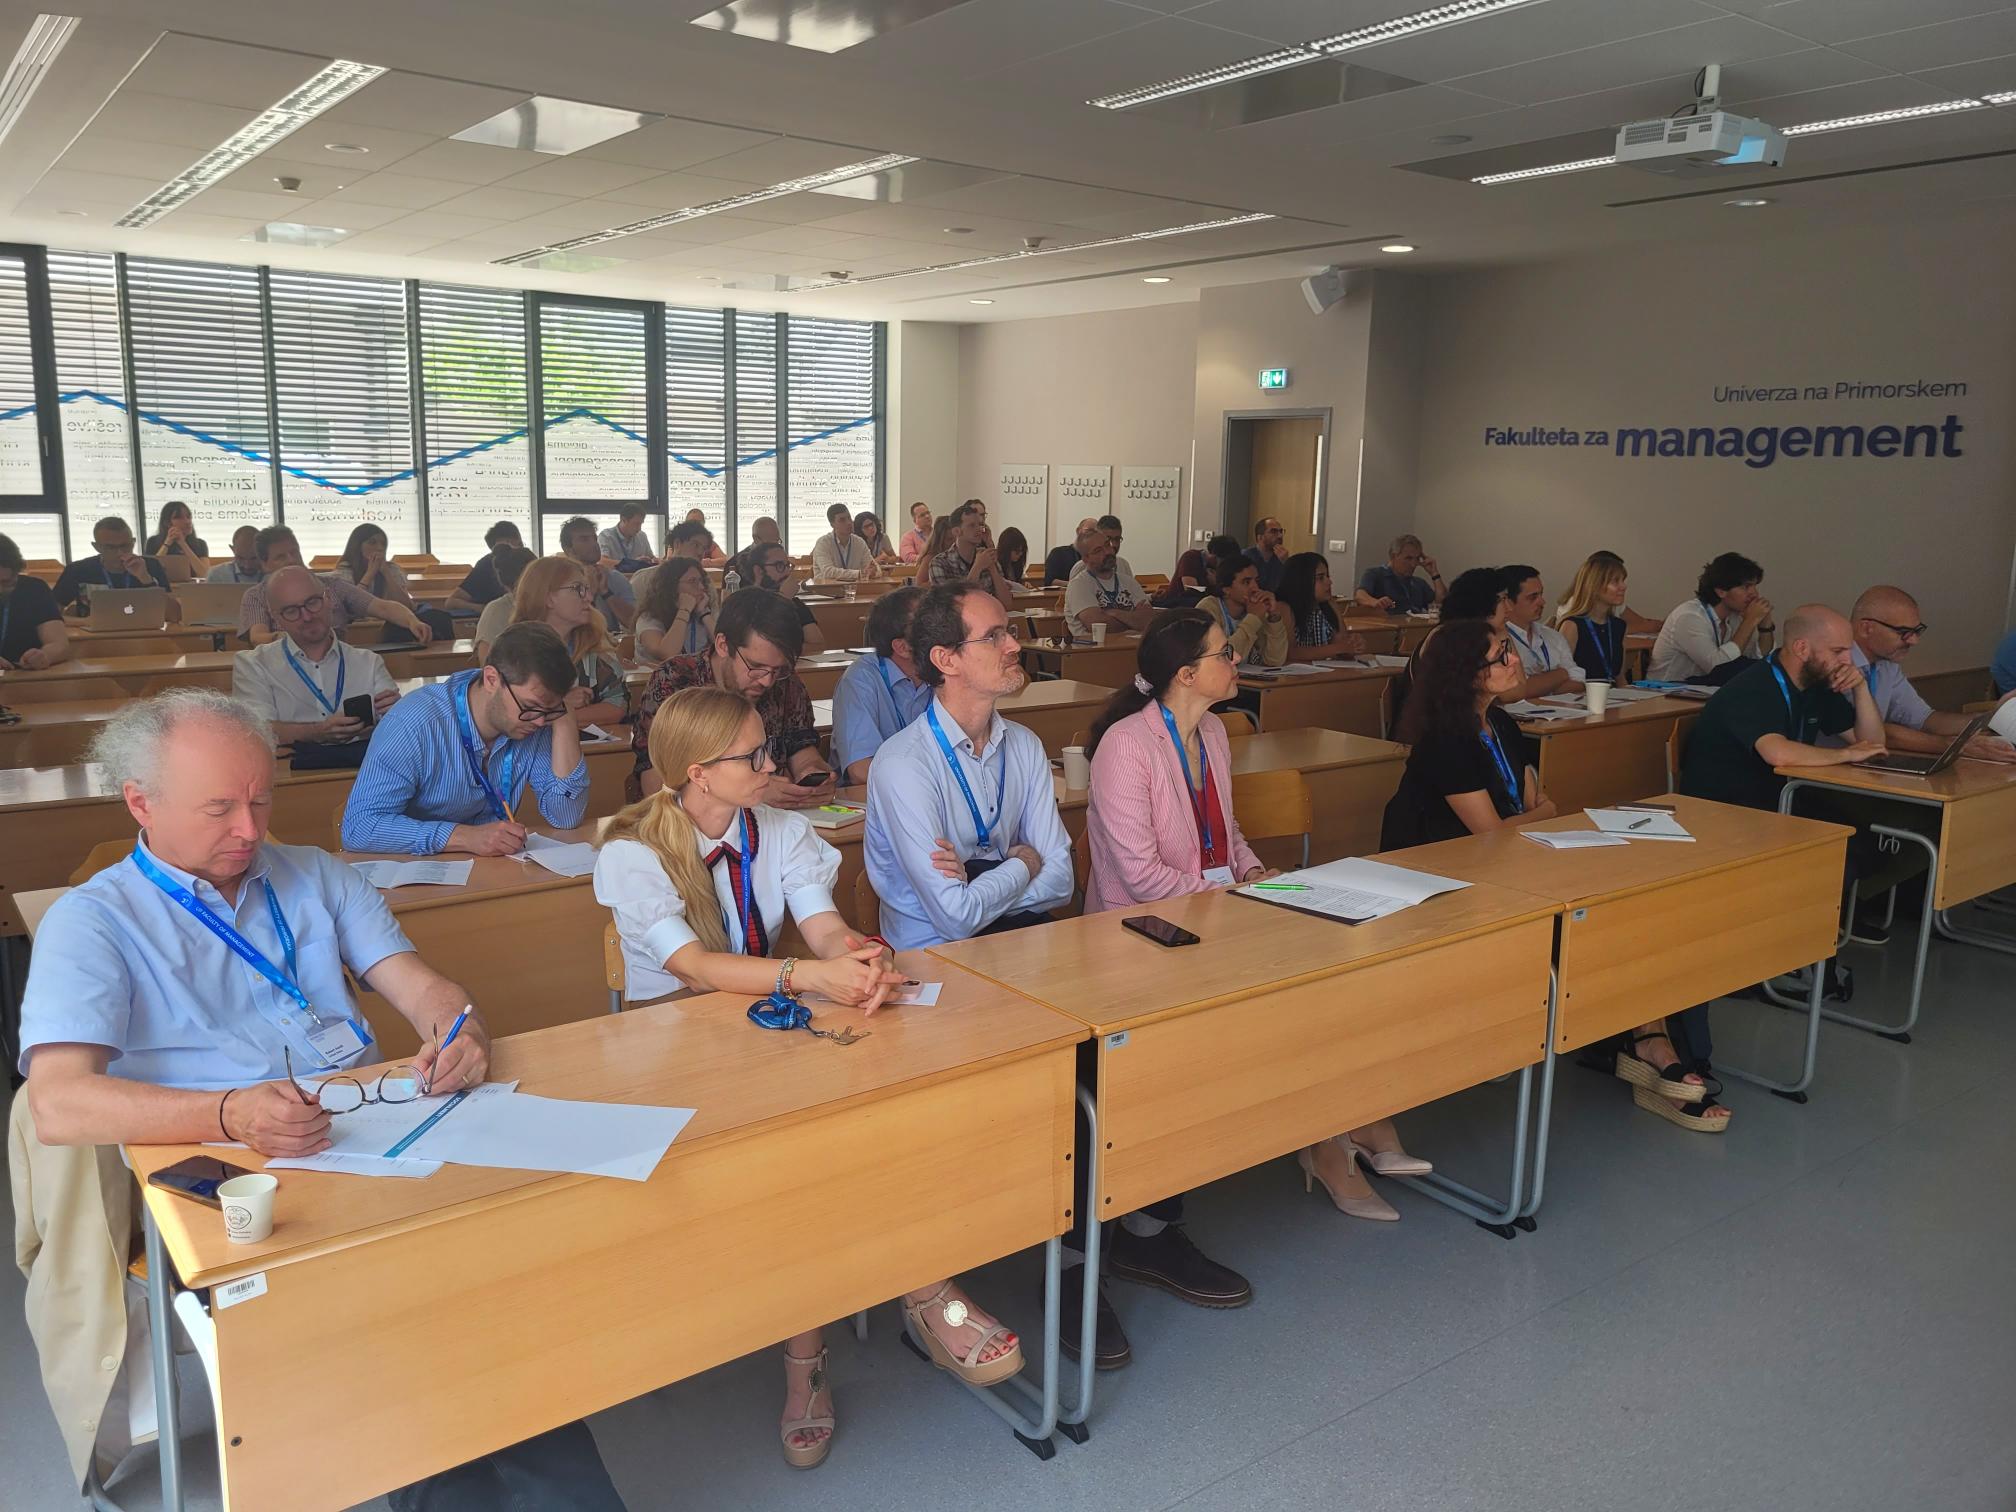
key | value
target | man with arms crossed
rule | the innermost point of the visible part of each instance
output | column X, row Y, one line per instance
column 347, row 602
column 1102, row 591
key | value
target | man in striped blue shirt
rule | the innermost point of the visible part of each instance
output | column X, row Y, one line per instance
column 449, row 762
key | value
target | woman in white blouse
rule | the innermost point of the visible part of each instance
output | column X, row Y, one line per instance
column 671, row 870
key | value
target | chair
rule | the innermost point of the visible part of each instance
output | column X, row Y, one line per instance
column 612, row 965
column 105, row 853
column 1271, row 805
column 1081, row 865
column 1239, row 723
column 867, row 918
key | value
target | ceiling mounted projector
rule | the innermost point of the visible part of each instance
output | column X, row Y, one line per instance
column 1703, row 140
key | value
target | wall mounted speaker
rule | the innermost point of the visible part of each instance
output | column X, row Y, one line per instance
column 1329, row 287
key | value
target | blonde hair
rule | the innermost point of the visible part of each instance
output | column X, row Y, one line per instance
column 692, row 726
column 539, row 582
column 1591, row 578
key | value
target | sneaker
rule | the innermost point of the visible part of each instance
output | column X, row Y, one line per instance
column 1110, row 1349
column 1169, row 1260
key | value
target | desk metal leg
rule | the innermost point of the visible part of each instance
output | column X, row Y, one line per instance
column 1506, row 1218
column 1796, row 1090
column 1960, row 934
column 1073, row 1421
column 160, row 1326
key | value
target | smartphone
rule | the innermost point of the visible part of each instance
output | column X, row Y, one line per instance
column 198, row 1178
column 360, row 708
column 1161, row 931
column 813, row 778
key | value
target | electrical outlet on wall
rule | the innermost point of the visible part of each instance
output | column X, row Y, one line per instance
column 1336, row 545
column 1200, row 536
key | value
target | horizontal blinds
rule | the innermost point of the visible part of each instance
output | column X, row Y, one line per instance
column 20, row 440
column 756, row 377
column 474, row 379
column 831, row 387
column 696, row 417
column 91, row 390
column 591, row 381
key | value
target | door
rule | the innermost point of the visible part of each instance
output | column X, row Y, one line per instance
column 1282, row 481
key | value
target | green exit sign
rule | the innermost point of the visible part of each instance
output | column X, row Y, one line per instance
column 1273, row 378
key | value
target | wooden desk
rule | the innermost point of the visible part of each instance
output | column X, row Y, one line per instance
column 1350, row 779
column 842, row 621
column 821, row 673
column 1351, row 699
column 1974, row 854
column 1389, row 634
column 1595, row 762
column 55, row 733
column 1057, row 709
column 437, row 659
column 117, row 677
column 901, row 1120
column 172, row 641
column 1112, row 665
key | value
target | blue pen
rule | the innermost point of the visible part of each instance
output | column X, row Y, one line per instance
column 453, row 1030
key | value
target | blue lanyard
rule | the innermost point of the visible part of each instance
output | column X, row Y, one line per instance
column 1110, row 597
column 1536, row 647
column 982, row 828
column 1595, row 636
column 695, row 636
column 1504, row 770
column 748, row 875
column 129, row 582
column 1226, row 615
column 500, row 806
column 1199, row 793
column 1792, row 721
column 342, row 670
column 243, row 948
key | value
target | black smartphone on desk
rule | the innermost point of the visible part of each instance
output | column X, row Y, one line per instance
column 1161, row 931
column 361, row 709
column 197, row 1177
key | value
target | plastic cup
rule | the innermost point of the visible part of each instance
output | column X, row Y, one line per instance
column 1597, row 695
column 1099, row 634
column 248, row 1207
column 1077, row 769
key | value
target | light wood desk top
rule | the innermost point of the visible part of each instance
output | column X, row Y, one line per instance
column 1635, row 711
column 1274, row 677
column 1113, row 979
column 88, row 643
column 27, row 685
column 1966, row 778
column 1310, row 750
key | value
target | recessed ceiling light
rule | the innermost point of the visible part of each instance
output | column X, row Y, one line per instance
column 817, row 25
column 1397, row 247
column 79, row 213
column 715, row 207
column 1432, row 19
column 295, row 234
column 1156, row 278
column 979, row 301
column 1452, row 139
column 1746, row 204
column 958, row 230
column 553, row 126
column 343, row 147
column 1545, row 171
column 30, row 66
column 285, row 116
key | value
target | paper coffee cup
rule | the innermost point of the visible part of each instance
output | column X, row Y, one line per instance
column 1099, row 634
column 1597, row 695
column 1077, row 770
column 248, row 1207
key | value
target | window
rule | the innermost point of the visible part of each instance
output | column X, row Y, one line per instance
column 345, row 404
column 696, row 421
column 831, row 392
column 20, row 437
column 91, row 388
column 199, row 378
column 472, row 362
column 756, row 430
column 592, row 386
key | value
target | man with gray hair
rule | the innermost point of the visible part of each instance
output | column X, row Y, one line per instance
column 182, row 995
column 1394, row 587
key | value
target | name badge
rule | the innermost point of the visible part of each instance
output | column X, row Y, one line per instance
column 1219, row 876
column 339, row 1044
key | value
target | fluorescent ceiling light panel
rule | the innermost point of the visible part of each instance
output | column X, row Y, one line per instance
column 1546, row 171
column 716, row 207
column 553, row 126
column 2001, row 97
column 1044, row 251
column 32, row 62
column 296, row 234
column 827, row 26
column 280, row 120
column 1432, row 19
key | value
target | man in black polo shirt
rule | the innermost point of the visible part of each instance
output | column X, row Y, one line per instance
column 115, row 565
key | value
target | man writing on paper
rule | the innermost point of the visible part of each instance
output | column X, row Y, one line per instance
column 178, row 996
column 1102, row 591
column 301, row 680
column 450, row 761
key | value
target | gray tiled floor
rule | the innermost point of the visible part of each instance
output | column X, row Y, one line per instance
column 1813, row 1312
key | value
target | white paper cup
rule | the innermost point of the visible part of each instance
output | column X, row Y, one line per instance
column 1077, row 770
column 248, row 1207
column 1099, row 634
column 1596, row 694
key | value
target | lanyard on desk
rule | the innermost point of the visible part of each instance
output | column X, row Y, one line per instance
column 499, row 805
column 1535, row 647
column 1504, row 770
column 1199, row 792
column 342, row 670
column 1596, row 641
column 982, row 828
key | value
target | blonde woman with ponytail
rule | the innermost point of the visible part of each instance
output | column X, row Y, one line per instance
column 671, row 870
column 556, row 592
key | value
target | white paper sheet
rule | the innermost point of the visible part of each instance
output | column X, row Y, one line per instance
column 595, row 732
column 1355, row 889
column 1573, row 839
column 923, row 995
column 1638, row 824
column 1297, row 669
column 1541, row 713
column 2004, row 722
column 1346, row 663
column 520, row 1132
column 569, row 860
column 355, row 1165
column 415, row 873
column 1387, row 661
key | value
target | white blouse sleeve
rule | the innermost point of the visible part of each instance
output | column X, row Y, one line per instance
column 807, row 865
column 650, row 915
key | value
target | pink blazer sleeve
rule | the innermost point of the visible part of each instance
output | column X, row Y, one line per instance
column 1243, row 859
column 1129, row 826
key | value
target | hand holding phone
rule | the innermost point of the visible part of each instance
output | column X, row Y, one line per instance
column 362, row 709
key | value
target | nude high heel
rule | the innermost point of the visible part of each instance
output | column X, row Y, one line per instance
column 1370, row 1206
column 808, row 1456
column 1392, row 1161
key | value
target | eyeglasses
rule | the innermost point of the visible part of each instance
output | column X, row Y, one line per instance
column 996, row 638
column 402, row 1083
column 1904, row 632
column 764, row 672
column 536, row 713
column 1506, row 656
column 1225, row 653
column 125, row 545
column 579, row 590
column 315, row 603
column 761, row 759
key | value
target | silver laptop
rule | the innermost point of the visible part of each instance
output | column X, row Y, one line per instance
column 211, row 603
column 1930, row 766
column 127, row 608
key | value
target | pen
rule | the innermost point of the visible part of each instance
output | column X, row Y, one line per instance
column 1279, row 886
column 1639, row 823
column 455, row 1028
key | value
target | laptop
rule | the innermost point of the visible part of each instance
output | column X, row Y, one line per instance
column 1929, row 766
column 127, row 609
column 211, row 603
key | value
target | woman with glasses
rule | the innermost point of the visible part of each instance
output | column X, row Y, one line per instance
column 1317, row 628
column 676, row 617
column 868, row 526
column 555, row 592
column 702, row 878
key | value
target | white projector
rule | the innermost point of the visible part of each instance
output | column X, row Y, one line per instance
column 1698, row 145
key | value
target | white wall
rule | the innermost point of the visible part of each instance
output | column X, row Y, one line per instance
column 923, row 417
column 1645, row 340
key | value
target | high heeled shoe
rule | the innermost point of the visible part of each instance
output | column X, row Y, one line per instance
column 1389, row 1162
column 1370, row 1206
column 807, row 1456
column 969, row 1367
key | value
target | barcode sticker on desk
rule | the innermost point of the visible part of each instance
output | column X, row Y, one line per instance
column 244, row 1289
column 1115, row 1041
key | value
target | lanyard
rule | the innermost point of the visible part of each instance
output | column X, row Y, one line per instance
column 342, row 670
column 1792, row 721
column 1504, row 770
column 243, row 948
column 500, row 806
column 1226, row 615
column 1200, row 793
column 747, row 875
column 6, row 614
column 111, row 582
column 1110, row 597
column 695, row 636
column 982, row 828
column 1535, row 647
column 1597, row 642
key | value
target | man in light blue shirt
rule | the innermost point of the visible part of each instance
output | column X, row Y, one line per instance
column 178, row 996
column 879, row 694
column 1886, row 625
column 450, row 761
column 963, row 835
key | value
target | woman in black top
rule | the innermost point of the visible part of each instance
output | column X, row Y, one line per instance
column 1011, row 550
column 176, row 537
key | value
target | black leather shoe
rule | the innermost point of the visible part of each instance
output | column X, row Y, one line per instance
column 1110, row 1349
column 1172, row 1262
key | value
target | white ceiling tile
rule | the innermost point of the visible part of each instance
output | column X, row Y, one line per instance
column 1296, row 20
column 1421, row 111
column 468, row 249
column 386, row 147
column 351, row 216
column 1984, row 76
column 676, row 143
column 649, row 244
column 1125, row 60
column 1679, row 53
column 792, row 209
column 493, row 203
column 156, row 118
column 416, row 102
column 239, row 202
column 391, row 243
column 576, row 176
column 1794, row 73
column 95, row 152
column 578, row 217
column 1529, row 34
column 1941, row 45
column 221, row 73
column 258, row 175
column 94, row 188
column 441, row 225
column 401, row 189
column 1829, row 21
column 191, row 223
column 1861, row 98
column 978, row 38
column 785, row 158
column 676, row 191
column 470, row 162
column 710, row 230
column 505, row 236
column 786, row 239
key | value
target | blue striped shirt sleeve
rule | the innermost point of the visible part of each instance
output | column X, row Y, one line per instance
column 398, row 771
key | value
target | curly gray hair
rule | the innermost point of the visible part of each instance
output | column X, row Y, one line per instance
column 129, row 746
